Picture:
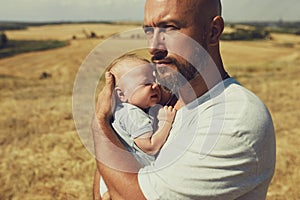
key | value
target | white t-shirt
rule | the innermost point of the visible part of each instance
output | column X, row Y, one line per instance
column 131, row 122
column 221, row 146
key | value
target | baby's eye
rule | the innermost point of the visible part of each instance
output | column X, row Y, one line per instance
column 147, row 84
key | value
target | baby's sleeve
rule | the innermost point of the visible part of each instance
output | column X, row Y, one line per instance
column 138, row 122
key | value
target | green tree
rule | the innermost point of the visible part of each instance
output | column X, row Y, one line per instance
column 3, row 40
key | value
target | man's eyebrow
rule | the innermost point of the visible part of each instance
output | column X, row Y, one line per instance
column 145, row 26
column 164, row 23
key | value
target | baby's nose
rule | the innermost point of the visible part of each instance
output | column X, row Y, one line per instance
column 154, row 86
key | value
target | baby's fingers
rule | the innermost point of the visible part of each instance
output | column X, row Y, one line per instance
column 169, row 108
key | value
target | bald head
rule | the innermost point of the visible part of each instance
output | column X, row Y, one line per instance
column 197, row 13
column 201, row 8
column 205, row 9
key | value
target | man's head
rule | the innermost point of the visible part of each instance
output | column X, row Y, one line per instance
column 135, row 82
column 172, row 26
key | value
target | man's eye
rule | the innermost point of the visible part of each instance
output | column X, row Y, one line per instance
column 170, row 28
column 148, row 30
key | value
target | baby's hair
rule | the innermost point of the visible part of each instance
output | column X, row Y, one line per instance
column 113, row 67
column 126, row 57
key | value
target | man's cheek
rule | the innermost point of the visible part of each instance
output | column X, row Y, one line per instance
column 177, row 45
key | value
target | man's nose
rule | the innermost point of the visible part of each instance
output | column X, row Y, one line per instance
column 157, row 44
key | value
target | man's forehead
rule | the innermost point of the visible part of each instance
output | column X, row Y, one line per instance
column 185, row 4
column 160, row 10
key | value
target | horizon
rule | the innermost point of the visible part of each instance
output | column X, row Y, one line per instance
column 133, row 21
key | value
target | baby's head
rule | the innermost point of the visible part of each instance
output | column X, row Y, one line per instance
column 135, row 82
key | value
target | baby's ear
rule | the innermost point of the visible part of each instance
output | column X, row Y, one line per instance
column 121, row 95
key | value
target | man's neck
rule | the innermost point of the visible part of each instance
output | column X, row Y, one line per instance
column 197, row 87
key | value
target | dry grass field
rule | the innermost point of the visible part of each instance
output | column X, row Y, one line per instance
column 42, row 156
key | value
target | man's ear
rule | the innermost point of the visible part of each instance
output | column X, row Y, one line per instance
column 217, row 27
column 121, row 95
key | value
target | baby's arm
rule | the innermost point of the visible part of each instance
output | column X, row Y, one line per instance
column 152, row 143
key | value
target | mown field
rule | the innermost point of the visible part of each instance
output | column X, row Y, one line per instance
column 42, row 156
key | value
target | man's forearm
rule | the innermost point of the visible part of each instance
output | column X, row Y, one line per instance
column 121, row 185
column 117, row 166
column 96, row 185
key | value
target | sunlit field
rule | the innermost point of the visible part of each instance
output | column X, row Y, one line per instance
column 42, row 156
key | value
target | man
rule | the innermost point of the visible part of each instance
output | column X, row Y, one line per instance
column 222, row 143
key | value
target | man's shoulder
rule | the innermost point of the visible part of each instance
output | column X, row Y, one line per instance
column 232, row 97
column 239, row 112
column 245, row 102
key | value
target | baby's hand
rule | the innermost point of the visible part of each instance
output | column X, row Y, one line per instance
column 166, row 114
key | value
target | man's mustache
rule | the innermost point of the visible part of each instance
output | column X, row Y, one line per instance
column 167, row 60
column 159, row 59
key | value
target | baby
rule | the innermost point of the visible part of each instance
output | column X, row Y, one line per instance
column 138, row 119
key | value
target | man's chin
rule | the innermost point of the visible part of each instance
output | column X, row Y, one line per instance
column 169, row 84
column 164, row 76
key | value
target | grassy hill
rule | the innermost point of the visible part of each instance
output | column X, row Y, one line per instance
column 42, row 156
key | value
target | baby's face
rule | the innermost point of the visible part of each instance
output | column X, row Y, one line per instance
column 139, row 86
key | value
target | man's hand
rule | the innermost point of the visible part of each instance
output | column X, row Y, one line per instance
column 106, row 99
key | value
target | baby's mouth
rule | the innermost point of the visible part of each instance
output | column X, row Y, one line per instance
column 155, row 96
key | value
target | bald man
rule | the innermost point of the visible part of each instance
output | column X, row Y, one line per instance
column 222, row 143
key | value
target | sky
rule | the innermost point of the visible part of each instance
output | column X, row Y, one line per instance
column 124, row 10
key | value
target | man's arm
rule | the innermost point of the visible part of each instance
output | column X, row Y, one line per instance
column 117, row 166
column 96, row 185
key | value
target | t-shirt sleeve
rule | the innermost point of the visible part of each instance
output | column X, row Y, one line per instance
column 137, row 122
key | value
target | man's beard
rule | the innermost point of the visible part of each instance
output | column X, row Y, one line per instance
column 176, row 78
